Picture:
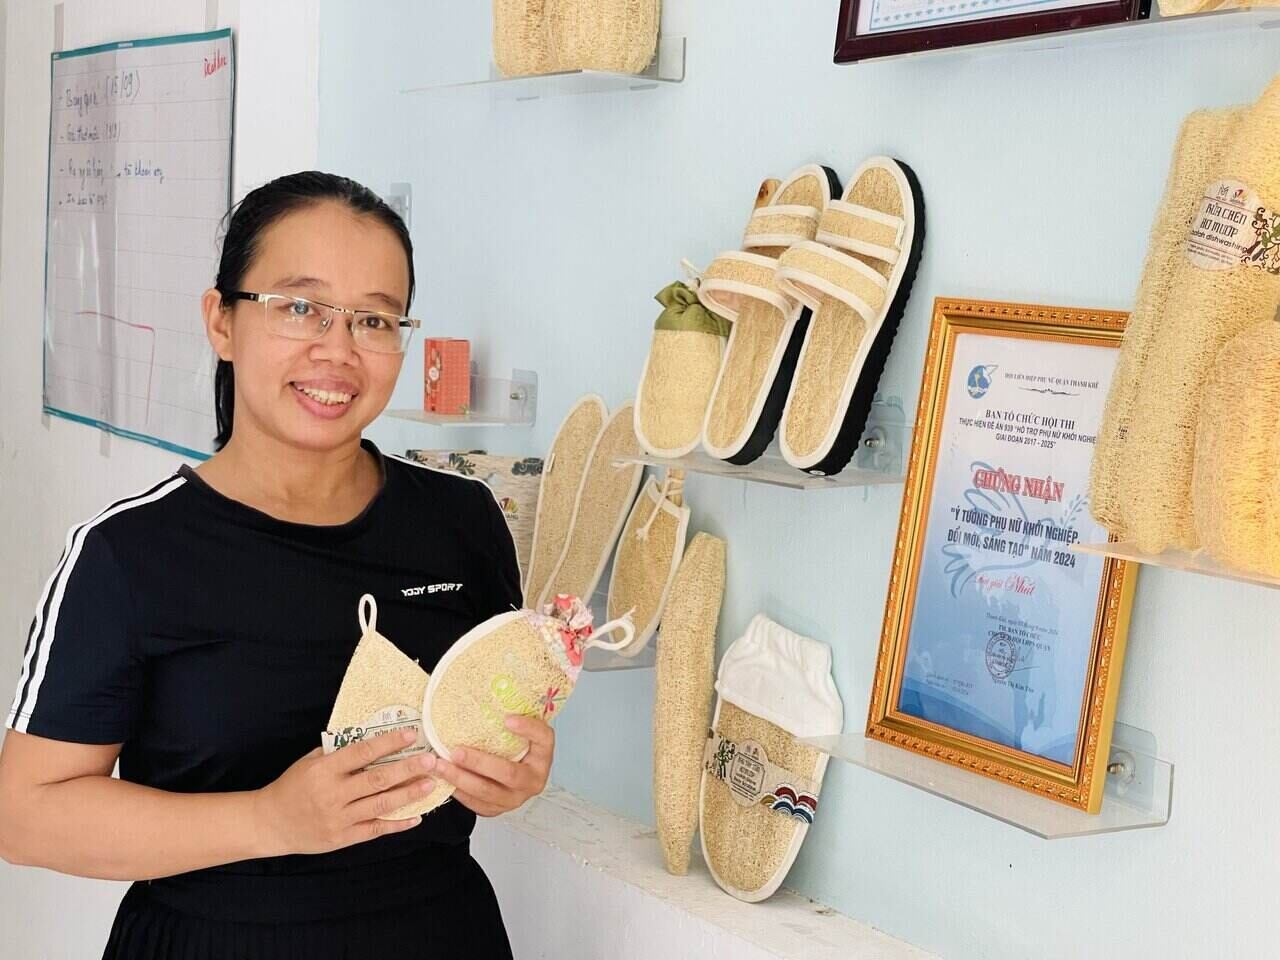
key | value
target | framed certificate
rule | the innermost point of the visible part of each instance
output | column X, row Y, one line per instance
column 1002, row 649
column 884, row 28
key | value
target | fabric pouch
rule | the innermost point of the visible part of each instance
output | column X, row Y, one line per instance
column 760, row 785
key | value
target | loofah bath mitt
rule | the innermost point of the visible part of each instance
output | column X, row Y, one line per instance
column 614, row 35
column 649, row 553
column 1236, row 484
column 521, row 40
column 515, row 663
column 679, row 373
column 382, row 693
column 605, row 495
column 1201, row 142
column 1227, row 280
column 682, row 701
column 760, row 785
column 562, row 474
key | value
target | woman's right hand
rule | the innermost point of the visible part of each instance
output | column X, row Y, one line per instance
column 324, row 802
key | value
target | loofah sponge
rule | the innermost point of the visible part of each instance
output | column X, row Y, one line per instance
column 1236, row 484
column 382, row 691
column 1198, row 152
column 614, row 35
column 1228, row 280
column 521, row 42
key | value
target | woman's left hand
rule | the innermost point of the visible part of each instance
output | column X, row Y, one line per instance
column 490, row 785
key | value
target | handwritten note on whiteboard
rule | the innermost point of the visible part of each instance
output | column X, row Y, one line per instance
column 139, row 178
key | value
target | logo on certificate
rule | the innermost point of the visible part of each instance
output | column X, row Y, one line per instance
column 1002, row 656
column 979, row 381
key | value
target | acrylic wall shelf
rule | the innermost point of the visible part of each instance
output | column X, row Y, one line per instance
column 880, row 458
column 667, row 68
column 1198, row 26
column 596, row 660
column 1138, row 793
column 494, row 403
column 1191, row 562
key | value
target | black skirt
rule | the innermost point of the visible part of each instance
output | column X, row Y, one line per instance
column 227, row 918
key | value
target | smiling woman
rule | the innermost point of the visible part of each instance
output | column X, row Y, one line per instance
column 199, row 630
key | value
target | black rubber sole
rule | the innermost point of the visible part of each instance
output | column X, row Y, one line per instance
column 766, row 426
column 855, row 418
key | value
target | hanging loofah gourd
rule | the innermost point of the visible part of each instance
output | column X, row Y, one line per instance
column 1236, row 485
column 614, row 35
column 1227, row 280
column 521, row 41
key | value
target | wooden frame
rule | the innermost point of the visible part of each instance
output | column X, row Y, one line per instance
column 852, row 46
column 1078, row 783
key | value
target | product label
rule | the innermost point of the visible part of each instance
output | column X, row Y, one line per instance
column 390, row 719
column 1232, row 228
column 751, row 778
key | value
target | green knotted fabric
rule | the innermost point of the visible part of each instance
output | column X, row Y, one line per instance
column 683, row 311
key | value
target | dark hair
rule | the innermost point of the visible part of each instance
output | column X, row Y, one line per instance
column 246, row 222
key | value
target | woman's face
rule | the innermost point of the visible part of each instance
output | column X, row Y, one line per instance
column 314, row 394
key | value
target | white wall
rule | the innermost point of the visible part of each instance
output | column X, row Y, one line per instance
column 543, row 231
column 53, row 472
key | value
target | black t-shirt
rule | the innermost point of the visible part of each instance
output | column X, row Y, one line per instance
column 210, row 639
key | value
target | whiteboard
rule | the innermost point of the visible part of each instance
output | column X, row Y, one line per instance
column 139, row 180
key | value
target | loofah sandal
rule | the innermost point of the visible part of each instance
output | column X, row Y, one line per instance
column 855, row 278
column 679, row 373
column 562, row 474
column 648, row 556
column 767, row 325
column 683, row 679
column 605, row 495
column 382, row 693
column 759, row 785
column 515, row 663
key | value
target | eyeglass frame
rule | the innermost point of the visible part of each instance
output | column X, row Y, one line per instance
column 235, row 296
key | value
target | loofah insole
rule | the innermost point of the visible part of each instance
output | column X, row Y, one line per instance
column 561, row 478
column 649, row 553
column 675, row 390
column 683, row 683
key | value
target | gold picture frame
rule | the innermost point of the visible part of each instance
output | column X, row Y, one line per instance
column 907, row 699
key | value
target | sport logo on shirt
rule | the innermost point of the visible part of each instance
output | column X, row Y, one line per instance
column 433, row 588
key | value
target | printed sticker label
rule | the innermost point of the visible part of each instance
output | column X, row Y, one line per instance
column 390, row 719
column 1221, row 231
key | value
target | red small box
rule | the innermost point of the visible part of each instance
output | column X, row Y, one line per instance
column 447, row 377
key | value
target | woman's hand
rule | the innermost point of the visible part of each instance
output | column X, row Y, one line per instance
column 490, row 785
column 322, row 803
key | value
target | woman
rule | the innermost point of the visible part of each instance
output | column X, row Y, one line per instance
column 199, row 632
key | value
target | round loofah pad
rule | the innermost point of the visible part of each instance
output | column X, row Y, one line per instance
column 614, row 35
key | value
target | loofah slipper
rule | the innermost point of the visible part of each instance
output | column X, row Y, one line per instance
column 382, row 693
column 648, row 555
column 1236, row 484
column 1227, row 280
column 562, row 474
column 1201, row 141
column 515, row 663
column 521, row 38
column 767, row 325
column 604, row 497
column 619, row 36
column 759, row 785
column 679, row 373
column 855, row 278
column 685, row 672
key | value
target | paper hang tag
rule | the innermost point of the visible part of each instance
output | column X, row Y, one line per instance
column 390, row 719
column 1232, row 228
column 752, row 779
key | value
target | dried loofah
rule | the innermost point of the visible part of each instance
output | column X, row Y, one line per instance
column 521, row 40
column 614, row 35
column 558, row 494
column 683, row 681
column 523, row 663
column 1229, row 280
column 1236, row 484
column 679, row 373
column 649, row 552
column 1201, row 142
column 604, row 497
column 382, row 691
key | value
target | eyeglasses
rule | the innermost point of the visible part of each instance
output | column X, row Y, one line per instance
column 298, row 318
